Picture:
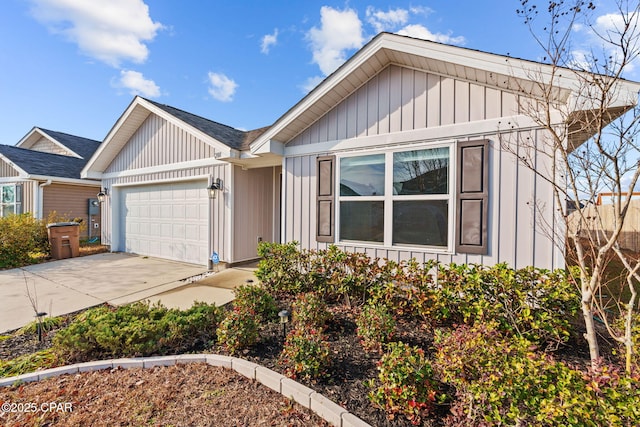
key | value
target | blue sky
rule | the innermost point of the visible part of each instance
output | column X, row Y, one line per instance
column 74, row 65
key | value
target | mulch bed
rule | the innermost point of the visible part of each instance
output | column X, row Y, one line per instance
column 344, row 384
column 181, row 395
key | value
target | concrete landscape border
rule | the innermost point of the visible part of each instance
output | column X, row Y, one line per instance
column 333, row 413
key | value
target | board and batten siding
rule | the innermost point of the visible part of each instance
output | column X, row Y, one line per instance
column 521, row 206
column 159, row 142
column 253, row 209
column 401, row 99
column 70, row 202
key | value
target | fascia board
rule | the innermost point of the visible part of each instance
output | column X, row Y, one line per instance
column 42, row 133
column 103, row 148
column 57, row 179
column 318, row 92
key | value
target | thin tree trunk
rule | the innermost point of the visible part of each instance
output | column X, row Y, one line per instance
column 590, row 334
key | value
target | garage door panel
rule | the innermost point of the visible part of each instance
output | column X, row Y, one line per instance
column 167, row 221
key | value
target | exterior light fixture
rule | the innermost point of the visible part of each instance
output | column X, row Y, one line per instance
column 214, row 188
column 102, row 195
column 284, row 319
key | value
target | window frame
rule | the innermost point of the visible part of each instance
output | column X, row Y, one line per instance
column 16, row 201
column 389, row 198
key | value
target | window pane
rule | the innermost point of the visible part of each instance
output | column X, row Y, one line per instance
column 362, row 175
column 362, row 221
column 421, row 222
column 8, row 194
column 421, row 171
column 8, row 210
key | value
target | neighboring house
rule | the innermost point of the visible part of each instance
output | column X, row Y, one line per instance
column 41, row 174
column 396, row 154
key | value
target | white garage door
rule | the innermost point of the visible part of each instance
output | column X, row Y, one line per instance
column 167, row 221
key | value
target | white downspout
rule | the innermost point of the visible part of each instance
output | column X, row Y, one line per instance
column 40, row 204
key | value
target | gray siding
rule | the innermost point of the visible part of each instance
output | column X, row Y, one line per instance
column 521, row 206
column 253, row 210
column 400, row 99
column 159, row 142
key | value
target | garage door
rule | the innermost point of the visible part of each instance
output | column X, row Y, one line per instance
column 167, row 221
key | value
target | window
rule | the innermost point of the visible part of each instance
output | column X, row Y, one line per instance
column 407, row 198
column 396, row 198
column 10, row 199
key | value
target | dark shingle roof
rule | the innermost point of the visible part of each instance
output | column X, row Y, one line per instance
column 84, row 147
column 46, row 164
column 231, row 137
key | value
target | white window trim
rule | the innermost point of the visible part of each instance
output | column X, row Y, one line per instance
column 14, row 204
column 389, row 197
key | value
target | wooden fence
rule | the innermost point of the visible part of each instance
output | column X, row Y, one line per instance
column 599, row 221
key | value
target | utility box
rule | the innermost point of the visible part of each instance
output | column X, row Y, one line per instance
column 64, row 238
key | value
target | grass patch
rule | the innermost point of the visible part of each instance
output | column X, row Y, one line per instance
column 43, row 359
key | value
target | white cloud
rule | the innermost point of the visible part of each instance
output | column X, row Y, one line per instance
column 386, row 21
column 608, row 26
column 268, row 41
column 422, row 32
column 340, row 31
column 311, row 83
column 111, row 31
column 221, row 87
column 137, row 84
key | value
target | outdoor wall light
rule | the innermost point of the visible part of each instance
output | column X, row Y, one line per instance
column 214, row 188
column 284, row 319
column 102, row 195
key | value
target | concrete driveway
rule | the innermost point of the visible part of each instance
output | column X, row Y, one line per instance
column 68, row 285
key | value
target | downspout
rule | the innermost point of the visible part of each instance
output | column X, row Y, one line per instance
column 40, row 206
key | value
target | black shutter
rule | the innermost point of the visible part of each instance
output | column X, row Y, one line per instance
column 472, row 197
column 325, row 199
column 18, row 199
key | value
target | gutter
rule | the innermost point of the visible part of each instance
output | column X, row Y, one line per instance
column 39, row 202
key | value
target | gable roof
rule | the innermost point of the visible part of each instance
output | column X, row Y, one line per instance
column 501, row 72
column 229, row 136
column 228, row 140
column 36, row 163
column 75, row 145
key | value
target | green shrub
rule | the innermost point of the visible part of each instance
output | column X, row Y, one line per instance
column 306, row 354
column 536, row 304
column 333, row 273
column 238, row 330
column 505, row 380
column 137, row 329
column 310, row 311
column 405, row 383
column 375, row 326
column 256, row 299
column 23, row 239
column 283, row 268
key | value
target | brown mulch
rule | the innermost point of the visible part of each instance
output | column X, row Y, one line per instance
column 181, row 395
